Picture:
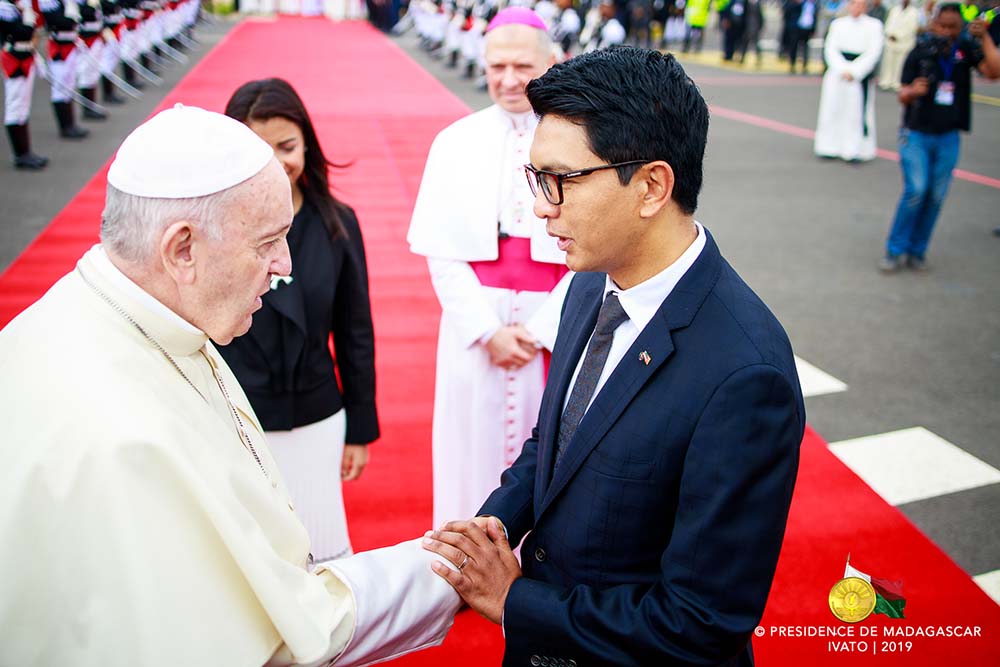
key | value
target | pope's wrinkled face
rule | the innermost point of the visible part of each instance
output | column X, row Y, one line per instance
column 234, row 272
column 514, row 56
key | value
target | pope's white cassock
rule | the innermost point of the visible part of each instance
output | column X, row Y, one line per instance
column 137, row 527
column 846, row 125
column 492, row 264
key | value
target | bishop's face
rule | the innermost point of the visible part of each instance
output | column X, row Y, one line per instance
column 233, row 273
column 514, row 56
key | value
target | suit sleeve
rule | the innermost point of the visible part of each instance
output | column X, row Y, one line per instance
column 354, row 339
column 513, row 501
column 733, row 500
column 544, row 324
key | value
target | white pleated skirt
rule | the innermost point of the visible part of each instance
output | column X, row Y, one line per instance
column 309, row 458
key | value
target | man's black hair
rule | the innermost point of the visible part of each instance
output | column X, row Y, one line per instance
column 633, row 104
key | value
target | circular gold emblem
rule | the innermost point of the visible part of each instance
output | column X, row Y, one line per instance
column 852, row 599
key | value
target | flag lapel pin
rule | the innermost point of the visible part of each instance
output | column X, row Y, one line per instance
column 644, row 357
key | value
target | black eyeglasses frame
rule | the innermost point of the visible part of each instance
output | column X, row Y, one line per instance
column 536, row 183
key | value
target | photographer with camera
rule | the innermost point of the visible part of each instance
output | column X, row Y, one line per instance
column 936, row 97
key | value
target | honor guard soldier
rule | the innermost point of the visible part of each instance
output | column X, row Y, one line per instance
column 61, row 20
column 131, row 40
column 150, row 35
column 114, row 25
column 91, row 49
column 17, row 34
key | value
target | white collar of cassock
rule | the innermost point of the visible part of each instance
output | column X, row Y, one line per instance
column 173, row 332
column 521, row 121
column 642, row 301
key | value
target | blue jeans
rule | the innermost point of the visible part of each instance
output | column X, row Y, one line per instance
column 927, row 161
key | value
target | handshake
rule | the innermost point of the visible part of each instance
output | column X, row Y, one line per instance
column 484, row 565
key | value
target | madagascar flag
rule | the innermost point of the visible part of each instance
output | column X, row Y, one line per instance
column 889, row 598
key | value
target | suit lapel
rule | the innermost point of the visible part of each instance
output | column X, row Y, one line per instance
column 560, row 373
column 631, row 374
column 624, row 383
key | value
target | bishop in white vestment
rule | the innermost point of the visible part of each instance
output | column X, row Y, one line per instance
column 145, row 523
column 493, row 268
column 845, row 127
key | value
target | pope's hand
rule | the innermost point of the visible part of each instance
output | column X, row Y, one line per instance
column 487, row 567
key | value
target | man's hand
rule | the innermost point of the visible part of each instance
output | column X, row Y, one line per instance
column 512, row 347
column 354, row 462
column 977, row 28
column 486, row 564
column 847, row 76
column 916, row 89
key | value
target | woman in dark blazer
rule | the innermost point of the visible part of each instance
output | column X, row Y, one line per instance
column 284, row 362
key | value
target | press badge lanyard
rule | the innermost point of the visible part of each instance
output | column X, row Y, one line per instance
column 945, row 94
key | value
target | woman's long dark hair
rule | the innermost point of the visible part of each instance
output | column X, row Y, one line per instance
column 259, row 101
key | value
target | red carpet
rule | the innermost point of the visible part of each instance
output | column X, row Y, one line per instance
column 375, row 108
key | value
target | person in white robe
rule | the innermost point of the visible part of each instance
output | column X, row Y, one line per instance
column 845, row 127
column 901, row 28
column 145, row 522
column 499, row 277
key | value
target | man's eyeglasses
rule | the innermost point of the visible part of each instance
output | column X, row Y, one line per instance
column 551, row 182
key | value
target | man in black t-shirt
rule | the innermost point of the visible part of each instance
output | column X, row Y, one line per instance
column 936, row 98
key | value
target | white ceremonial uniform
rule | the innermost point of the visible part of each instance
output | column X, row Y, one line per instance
column 473, row 182
column 845, row 127
column 139, row 530
column 901, row 27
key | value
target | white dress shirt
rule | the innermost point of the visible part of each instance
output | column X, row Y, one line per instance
column 640, row 303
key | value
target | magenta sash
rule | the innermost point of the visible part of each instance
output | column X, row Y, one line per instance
column 514, row 269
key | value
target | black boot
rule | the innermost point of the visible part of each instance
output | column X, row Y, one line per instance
column 470, row 71
column 131, row 78
column 90, row 94
column 452, row 60
column 68, row 129
column 20, row 142
column 108, row 91
column 145, row 62
column 158, row 57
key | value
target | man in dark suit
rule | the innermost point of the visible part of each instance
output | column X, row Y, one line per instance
column 655, row 488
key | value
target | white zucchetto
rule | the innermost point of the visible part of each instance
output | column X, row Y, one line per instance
column 187, row 152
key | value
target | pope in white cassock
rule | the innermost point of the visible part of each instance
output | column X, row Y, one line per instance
column 846, row 125
column 499, row 277
column 144, row 521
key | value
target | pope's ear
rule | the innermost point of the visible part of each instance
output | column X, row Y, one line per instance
column 177, row 251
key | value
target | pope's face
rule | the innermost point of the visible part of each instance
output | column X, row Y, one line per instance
column 234, row 272
column 514, row 56
column 857, row 7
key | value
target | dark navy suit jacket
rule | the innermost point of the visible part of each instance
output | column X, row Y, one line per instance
column 655, row 540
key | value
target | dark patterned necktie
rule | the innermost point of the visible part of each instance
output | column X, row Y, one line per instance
column 612, row 314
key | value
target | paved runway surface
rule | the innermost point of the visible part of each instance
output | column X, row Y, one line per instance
column 903, row 370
